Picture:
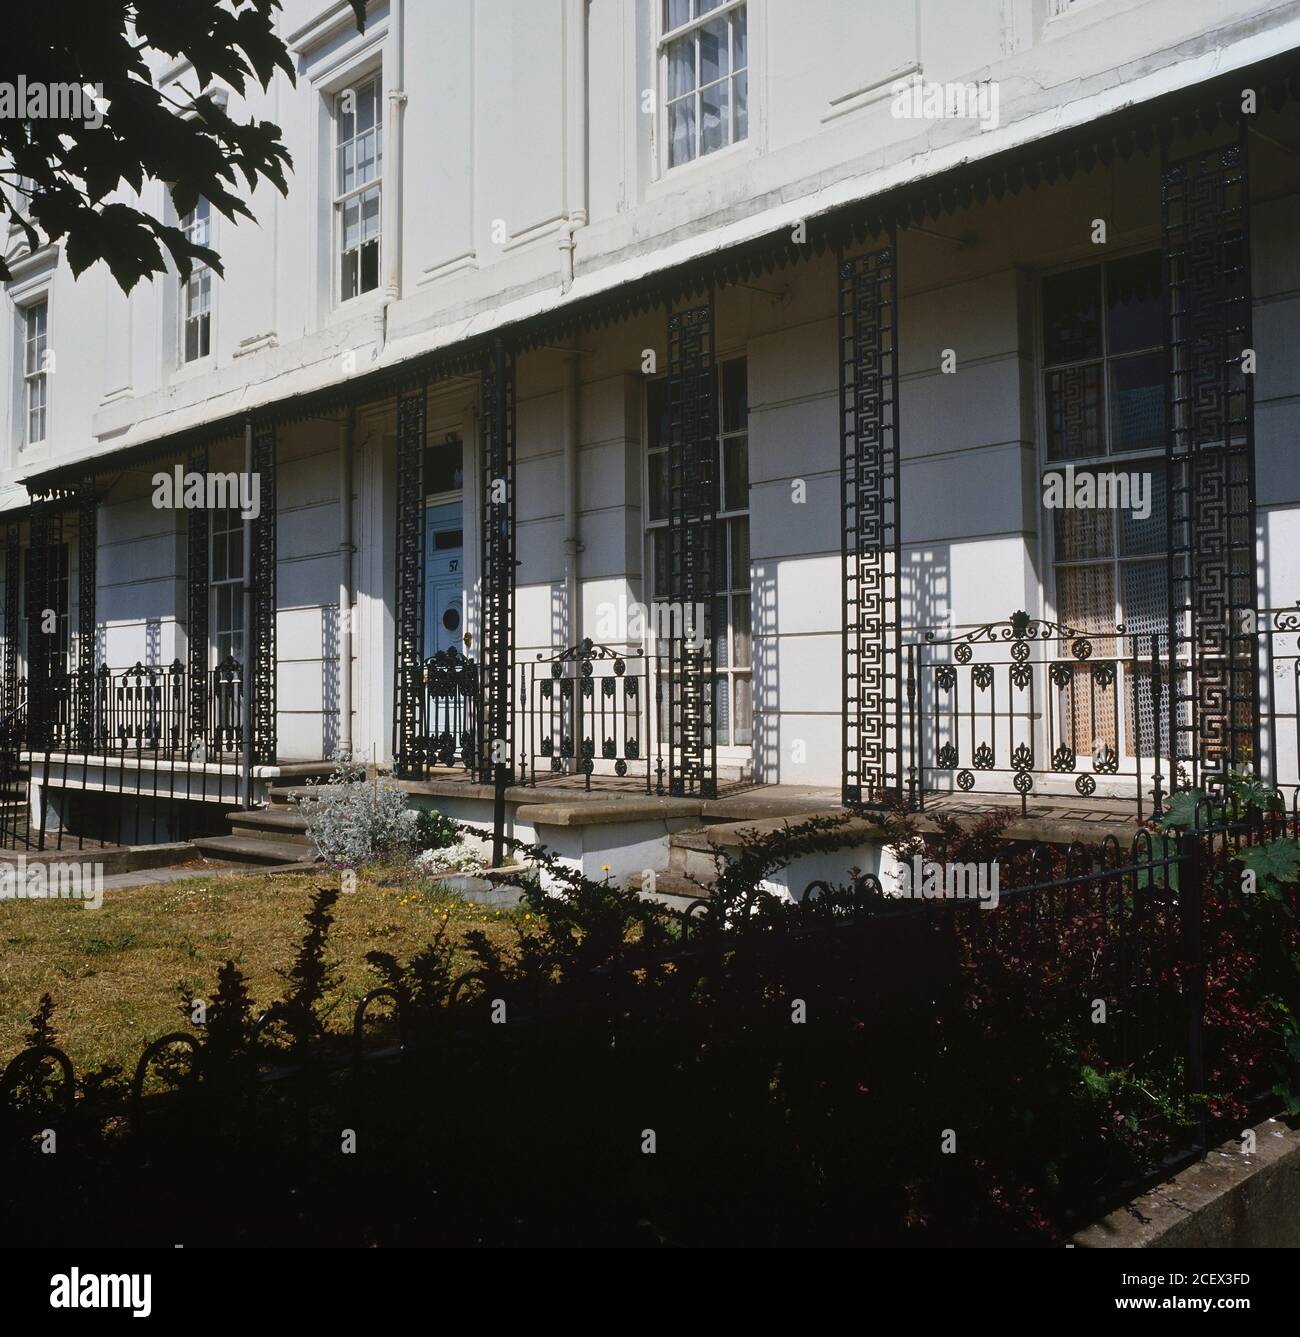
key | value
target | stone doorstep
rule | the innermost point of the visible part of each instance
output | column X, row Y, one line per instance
column 607, row 811
column 1228, row 1200
column 732, row 835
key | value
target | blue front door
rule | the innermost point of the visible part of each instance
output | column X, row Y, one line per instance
column 444, row 579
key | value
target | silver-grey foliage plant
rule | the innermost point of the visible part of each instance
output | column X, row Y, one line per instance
column 352, row 818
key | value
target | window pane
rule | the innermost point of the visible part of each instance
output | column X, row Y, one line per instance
column 370, row 215
column 367, row 105
column 1146, row 537
column 715, row 59
column 740, row 630
column 1074, row 413
column 1083, row 534
column 1146, row 589
column 1072, row 315
column 370, row 266
column 715, row 118
column 1137, row 396
column 739, row 40
column 366, row 156
column 681, row 131
column 659, row 485
column 344, row 119
column 676, row 12
column 351, row 224
column 721, row 633
column 1086, row 599
column 722, row 710
column 735, row 406
column 656, row 412
column 1134, row 304
column 735, row 452
column 742, row 729
column 681, row 67
column 740, row 88
column 659, row 563
column 739, row 570
column 350, row 276
column 721, row 542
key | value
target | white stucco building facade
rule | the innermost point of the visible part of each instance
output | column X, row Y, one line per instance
column 553, row 181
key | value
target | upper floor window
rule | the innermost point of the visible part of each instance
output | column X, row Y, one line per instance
column 358, row 176
column 704, row 57
column 35, row 371
column 196, row 291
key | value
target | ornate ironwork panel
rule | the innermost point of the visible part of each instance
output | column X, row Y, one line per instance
column 38, row 642
column 497, row 622
column 261, row 652
column 87, row 545
column 408, row 747
column 1213, row 707
column 13, row 607
column 692, row 547
column 196, row 461
column 869, row 500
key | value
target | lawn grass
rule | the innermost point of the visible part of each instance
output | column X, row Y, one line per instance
column 114, row 973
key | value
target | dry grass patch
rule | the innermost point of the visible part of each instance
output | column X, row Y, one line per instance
column 114, row 973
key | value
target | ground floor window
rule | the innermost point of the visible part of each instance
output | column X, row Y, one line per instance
column 1103, row 387
column 227, row 585
column 731, row 615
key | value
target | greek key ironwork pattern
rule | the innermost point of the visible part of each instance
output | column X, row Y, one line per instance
column 1213, row 718
column 692, row 538
column 196, row 461
column 261, row 652
column 87, row 544
column 13, row 604
column 869, row 499
column 408, row 754
column 38, row 643
column 497, row 603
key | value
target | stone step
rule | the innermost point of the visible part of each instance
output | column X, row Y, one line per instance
column 286, row 825
column 251, row 849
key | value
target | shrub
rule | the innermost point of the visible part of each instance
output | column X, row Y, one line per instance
column 351, row 818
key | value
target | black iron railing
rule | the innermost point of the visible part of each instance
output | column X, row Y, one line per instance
column 1036, row 707
column 588, row 709
column 447, row 711
column 141, row 707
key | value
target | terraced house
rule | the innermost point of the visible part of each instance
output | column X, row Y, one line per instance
column 673, row 412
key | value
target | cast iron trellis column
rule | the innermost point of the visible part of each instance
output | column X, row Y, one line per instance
column 13, row 606
column 1213, row 701
column 196, row 593
column 497, row 604
column 38, row 648
column 260, row 668
column 408, row 638
column 692, row 540
column 869, row 501
column 87, row 544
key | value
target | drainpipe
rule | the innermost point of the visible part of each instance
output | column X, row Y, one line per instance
column 391, row 228
column 575, row 28
column 246, row 668
column 346, row 550
column 572, row 534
